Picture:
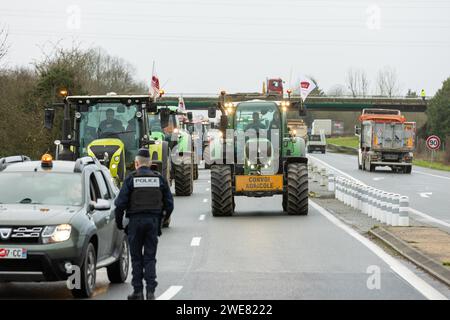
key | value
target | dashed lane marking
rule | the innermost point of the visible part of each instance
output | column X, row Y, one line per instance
column 169, row 293
column 196, row 241
column 202, row 217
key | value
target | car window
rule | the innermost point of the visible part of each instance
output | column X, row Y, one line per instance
column 104, row 190
column 94, row 188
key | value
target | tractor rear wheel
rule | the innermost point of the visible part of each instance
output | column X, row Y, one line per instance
column 195, row 171
column 184, row 183
column 222, row 199
column 297, row 193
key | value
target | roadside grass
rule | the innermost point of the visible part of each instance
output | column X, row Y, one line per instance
column 431, row 165
column 351, row 142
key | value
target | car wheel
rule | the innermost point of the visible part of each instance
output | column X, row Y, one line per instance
column 118, row 271
column 88, row 274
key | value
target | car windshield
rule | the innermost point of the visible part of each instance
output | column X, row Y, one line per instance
column 41, row 188
column 314, row 138
column 154, row 123
column 257, row 116
column 110, row 120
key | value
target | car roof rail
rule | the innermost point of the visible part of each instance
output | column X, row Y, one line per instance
column 6, row 161
column 81, row 163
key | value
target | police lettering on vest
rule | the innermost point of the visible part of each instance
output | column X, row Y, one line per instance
column 146, row 196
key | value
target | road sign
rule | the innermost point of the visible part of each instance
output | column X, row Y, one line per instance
column 433, row 142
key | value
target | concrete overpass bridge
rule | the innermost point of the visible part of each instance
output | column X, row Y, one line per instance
column 313, row 103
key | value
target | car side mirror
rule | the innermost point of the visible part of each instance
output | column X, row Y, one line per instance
column 101, row 204
column 49, row 116
column 211, row 112
column 190, row 116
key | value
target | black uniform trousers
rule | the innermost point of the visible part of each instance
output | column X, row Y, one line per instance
column 143, row 239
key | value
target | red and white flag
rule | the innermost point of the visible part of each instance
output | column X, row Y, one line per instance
column 154, row 90
column 306, row 86
column 181, row 105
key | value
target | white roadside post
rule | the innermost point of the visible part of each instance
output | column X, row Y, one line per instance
column 337, row 193
column 378, row 205
column 323, row 177
column 315, row 170
column 371, row 202
column 395, row 209
column 384, row 201
column 345, row 191
column 331, row 182
column 365, row 199
column 353, row 195
column 390, row 204
column 403, row 214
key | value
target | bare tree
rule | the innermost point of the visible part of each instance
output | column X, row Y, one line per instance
column 337, row 91
column 357, row 82
column 3, row 42
column 387, row 82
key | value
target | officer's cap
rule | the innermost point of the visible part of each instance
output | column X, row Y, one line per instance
column 143, row 152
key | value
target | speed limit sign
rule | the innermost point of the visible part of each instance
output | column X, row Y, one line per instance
column 433, row 142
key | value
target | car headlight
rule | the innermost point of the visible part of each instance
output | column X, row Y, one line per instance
column 60, row 233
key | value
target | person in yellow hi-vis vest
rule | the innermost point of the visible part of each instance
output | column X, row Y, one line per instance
column 422, row 94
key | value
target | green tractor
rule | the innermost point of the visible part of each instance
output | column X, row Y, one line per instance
column 257, row 156
column 110, row 128
column 164, row 125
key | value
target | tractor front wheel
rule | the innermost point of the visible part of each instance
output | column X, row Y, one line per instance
column 184, row 182
column 297, row 193
column 222, row 199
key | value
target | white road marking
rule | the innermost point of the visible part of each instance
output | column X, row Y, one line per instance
column 425, row 194
column 378, row 178
column 202, row 217
column 209, row 181
column 427, row 217
column 205, row 200
column 420, row 285
column 169, row 293
column 432, row 175
column 337, row 170
column 207, row 189
column 196, row 241
column 417, row 212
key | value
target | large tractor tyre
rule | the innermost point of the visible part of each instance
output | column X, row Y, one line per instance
column 297, row 193
column 284, row 204
column 195, row 171
column 222, row 199
column 207, row 157
column 184, row 182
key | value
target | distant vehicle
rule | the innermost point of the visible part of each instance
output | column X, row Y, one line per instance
column 322, row 126
column 298, row 128
column 317, row 142
column 57, row 218
column 385, row 139
column 275, row 86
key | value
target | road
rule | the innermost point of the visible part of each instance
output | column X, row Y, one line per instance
column 260, row 253
column 427, row 189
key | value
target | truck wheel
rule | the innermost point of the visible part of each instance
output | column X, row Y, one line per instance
column 195, row 171
column 183, row 179
column 118, row 271
column 207, row 157
column 222, row 199
column 297, row 193
column 324, row 150
column 360, row 166
column 88, row 274
column 372, row 168
column 408, row 169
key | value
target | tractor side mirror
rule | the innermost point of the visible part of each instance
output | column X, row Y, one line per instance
column 211, row 112
column 164, row 116
column 190, row 116
column 223, row 122
column 49, row 116
column 357, row 131
column 152, row 107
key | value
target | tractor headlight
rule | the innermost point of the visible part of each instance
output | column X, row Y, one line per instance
column 116, row 158
column 114, row 166
column 53, row 234
column 252, row 166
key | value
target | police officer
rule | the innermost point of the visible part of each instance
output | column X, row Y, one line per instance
column 145, row 196
column 422, row 94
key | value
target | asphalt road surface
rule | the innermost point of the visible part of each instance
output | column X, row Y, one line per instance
column 260, row 253
column 428, row 190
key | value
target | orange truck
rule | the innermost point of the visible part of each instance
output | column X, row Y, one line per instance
column 386, row 139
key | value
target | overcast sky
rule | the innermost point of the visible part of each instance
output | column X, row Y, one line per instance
column 202, row 46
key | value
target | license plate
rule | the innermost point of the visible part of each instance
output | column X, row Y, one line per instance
column 259, row 183
column 13, row 253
